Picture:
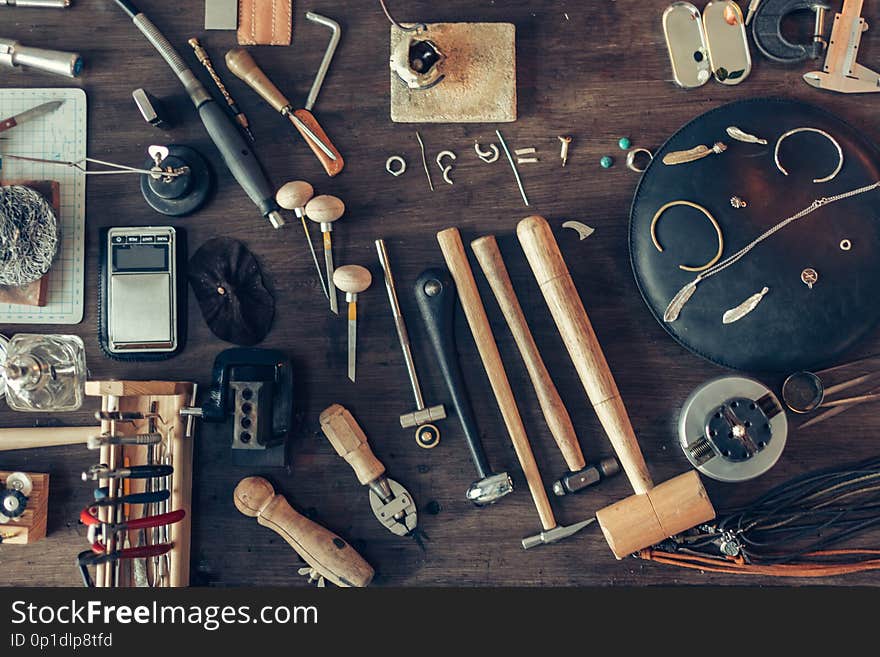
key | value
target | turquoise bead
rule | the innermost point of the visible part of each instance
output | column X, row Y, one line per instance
column 606, row 162
column 624, row 143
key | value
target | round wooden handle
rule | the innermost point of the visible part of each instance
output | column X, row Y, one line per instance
column 294, row 195
column 555, row 414
column 325, row 209
column 353, row 279
column 252, row 495
column 350, row 442
column 243, row 66
column 32, row 437
column 580, row 340
column 457, row 262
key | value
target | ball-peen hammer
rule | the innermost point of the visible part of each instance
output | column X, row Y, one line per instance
column 655, row 512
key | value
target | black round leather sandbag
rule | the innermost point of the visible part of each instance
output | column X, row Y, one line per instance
column 793, row 327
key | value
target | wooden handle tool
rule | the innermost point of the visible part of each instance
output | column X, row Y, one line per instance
column 557, row 417
column 654, row 513
column 328, row 555
column 243, row 66
column 32, row 437
column 457, row 262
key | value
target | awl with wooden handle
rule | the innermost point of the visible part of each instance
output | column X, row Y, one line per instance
column 580, row 475
column 328, row 555
column 245, row 68
column 392, row 504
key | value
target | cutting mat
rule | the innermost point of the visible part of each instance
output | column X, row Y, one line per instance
column 58, row 136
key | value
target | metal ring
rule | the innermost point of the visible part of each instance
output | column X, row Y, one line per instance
column 391, row 160
column 715, row 225
column 845, row 245
column 631, row 159
column 824, row 134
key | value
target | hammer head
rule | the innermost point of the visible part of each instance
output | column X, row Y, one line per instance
column 556, row 534
column 491, row 489
column 422, row 416
column 575, row 482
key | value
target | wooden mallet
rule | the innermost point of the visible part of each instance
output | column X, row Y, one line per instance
column 654, row 513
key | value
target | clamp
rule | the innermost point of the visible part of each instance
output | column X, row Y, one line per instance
column 391, row 503
column 767, row 30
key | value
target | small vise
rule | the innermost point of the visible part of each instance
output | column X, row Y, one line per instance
column 767, row 30
column 255, row 387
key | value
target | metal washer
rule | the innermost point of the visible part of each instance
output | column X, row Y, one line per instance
column 702, row 403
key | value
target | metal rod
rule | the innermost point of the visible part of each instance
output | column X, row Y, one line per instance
column 399, row 324
column 513, row 166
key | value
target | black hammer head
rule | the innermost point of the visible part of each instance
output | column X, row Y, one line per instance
column 491, row 489
column 575, row 482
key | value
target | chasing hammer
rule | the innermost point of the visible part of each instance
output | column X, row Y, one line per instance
column 654, row 513
column 456, row 259
column 580, row 476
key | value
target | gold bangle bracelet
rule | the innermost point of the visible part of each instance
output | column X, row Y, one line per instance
column 709, row 216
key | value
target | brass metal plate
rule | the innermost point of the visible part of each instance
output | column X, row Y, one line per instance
column 727, row 42
column 480, row 82
column 686, row 43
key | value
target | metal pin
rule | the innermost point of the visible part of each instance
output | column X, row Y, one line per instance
column 425, row 161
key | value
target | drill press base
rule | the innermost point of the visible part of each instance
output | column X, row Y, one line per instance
column 480, row 76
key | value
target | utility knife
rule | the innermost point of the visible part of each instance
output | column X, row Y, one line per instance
column 30, row 115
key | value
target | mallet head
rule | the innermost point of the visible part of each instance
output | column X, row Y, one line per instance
column 491, row 489
column 593, row 473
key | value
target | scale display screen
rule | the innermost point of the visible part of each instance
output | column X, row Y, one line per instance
column 140, row 257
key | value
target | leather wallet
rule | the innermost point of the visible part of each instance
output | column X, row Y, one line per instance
column 265, row 22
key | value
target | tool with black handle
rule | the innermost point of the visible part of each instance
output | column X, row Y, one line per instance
column 234, row 149
column 435, row 295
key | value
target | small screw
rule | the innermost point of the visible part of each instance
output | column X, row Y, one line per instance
column 563, row 153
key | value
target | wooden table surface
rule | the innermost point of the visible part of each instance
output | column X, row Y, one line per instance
column 596, row 73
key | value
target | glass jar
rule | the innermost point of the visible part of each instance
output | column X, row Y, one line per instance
column 45, row 372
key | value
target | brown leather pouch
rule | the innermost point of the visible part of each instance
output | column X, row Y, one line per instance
column 265, row 22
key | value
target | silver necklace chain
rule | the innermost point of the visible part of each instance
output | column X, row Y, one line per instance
column 815, row 205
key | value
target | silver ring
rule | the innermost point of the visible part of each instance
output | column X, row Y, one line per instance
column 631, row 159
column 824, row 134
column 392, row 160
column 845, row 245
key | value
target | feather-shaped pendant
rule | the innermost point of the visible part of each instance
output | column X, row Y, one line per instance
column 744, row 308
column 742, row 135
column 673, row 310
column 693, row 154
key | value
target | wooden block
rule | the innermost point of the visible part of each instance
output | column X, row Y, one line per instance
column 35, row 293
column 136, row 388
column 30, row 527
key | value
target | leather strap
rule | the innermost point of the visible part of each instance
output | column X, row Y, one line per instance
column 265, row 22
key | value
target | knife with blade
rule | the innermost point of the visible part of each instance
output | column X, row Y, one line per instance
column 30, row 115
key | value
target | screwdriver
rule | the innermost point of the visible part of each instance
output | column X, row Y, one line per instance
column 325, row 210
column 294, row 196
column 352, row 279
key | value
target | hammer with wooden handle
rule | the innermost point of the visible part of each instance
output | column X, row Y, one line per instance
column 475, row 313
column 653, row 513
column 580, row 476
column 327, row 555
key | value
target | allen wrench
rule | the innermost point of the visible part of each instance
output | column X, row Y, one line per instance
column 336, row 33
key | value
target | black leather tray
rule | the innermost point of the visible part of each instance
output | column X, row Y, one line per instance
column 794, row 327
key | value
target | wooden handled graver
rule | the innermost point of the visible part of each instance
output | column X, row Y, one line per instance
column 457, row 262
column 32, row 437
column 557, row 417
column 243, row 66
column 654, row 513
column 324, row 551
